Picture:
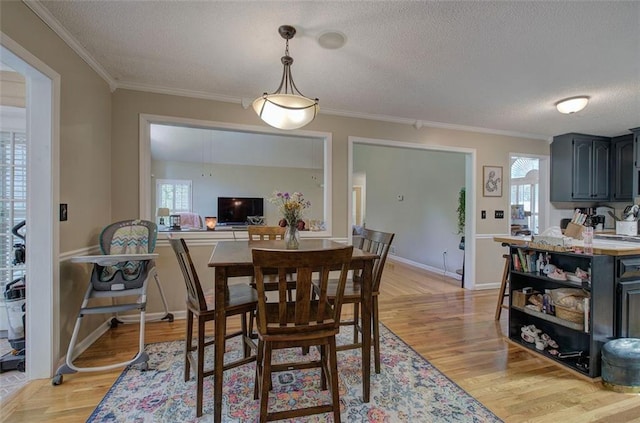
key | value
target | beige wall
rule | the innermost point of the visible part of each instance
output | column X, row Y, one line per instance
column 85, row 149
column 85, row 126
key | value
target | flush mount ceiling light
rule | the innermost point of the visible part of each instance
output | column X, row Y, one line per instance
column 572, row 105
column 287, row 107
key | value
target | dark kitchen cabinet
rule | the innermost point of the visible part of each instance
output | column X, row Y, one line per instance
column 636, row 140
column 628, row 297
column 628, row 309
column 622, row 162
column 580, row 168
column 636, row 161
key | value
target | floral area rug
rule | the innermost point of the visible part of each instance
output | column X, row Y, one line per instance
column 408, row 389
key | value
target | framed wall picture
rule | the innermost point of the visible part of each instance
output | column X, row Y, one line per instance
column 492, row 181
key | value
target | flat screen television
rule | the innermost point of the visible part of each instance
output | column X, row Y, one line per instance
column 233, row 211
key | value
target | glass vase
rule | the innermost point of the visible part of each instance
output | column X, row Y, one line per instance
column 292, row 237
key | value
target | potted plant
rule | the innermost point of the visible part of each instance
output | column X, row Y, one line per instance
column 461, row 216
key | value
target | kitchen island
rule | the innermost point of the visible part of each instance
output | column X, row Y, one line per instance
column 609, row 300
column 611, row 246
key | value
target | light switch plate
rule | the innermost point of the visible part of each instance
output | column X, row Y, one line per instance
column 499, row 214
column 63, row 212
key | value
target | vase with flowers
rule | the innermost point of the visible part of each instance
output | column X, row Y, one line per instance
column 291, row 207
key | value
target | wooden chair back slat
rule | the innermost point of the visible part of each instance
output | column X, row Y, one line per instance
column 195, row 295
column 282, row 297
column 264, row 233
column 379, row 243
column 306, row 311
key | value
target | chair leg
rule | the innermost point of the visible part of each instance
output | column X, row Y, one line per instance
column 324, row 368
column 200, row 375
column 245, row 335
column 257, row 386
column 265, row 382
column 376, row 334
column 356, row 319
column 503, row 286
column 252, row 318
column 188, row 346
column 335, row 393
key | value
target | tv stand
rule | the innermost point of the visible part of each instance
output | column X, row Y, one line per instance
column 231, row 228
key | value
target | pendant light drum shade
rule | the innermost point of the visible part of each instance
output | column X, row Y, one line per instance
column 287, row 107
column 285, row 111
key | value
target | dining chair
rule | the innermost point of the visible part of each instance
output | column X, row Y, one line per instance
column 266, row 233
column 242, row 300
column 307, row 321
column 376, row 242
column 263, row 233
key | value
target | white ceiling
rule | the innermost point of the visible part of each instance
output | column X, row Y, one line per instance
column 486, row 65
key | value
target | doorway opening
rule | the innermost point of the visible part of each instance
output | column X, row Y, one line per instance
column 42, row 193
column 413, row 190
column 13, row 212
column 527, row 190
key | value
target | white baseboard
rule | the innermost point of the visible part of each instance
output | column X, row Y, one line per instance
column 488, row 285
column 453, row 275
column 432, row 269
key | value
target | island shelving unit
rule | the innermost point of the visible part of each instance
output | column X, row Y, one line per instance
column 579, row 343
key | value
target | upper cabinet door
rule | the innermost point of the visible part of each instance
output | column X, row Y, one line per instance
column 601, row 169
column 582, row 166
column 622, row 152
column 636, row 142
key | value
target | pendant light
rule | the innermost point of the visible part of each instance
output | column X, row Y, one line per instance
column 287, row 107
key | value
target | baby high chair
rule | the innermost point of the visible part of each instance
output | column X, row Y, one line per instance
column 123, row 270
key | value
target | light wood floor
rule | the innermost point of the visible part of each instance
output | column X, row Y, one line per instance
column 453, row 328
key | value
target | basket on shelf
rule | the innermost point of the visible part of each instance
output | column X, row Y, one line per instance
column 570, row 314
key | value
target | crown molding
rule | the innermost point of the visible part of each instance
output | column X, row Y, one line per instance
column 418, row 124
column 46, row 16
column 136, row 86
column 342, row 113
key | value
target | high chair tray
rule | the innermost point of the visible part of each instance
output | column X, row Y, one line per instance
column 112, row 259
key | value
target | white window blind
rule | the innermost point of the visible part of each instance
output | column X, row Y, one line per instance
column 174, row 194
column 13, row 203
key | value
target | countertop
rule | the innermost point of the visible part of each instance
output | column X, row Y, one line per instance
column 607, row 247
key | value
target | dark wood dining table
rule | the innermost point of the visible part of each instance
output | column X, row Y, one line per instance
column 233, row 259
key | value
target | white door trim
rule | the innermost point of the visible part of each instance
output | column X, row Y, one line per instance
column 43, row 188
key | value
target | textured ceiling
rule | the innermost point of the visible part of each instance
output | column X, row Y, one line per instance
column 500, row 66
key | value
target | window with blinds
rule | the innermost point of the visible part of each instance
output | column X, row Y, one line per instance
column 13, row 202
column 174, row 194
